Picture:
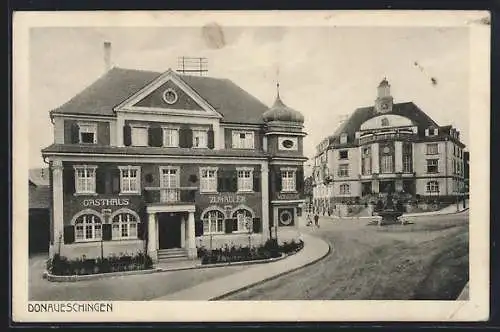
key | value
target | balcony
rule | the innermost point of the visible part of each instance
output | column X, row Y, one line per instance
column 382, row 137
column 170, row 196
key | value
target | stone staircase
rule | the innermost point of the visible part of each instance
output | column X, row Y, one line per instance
column 175, row 254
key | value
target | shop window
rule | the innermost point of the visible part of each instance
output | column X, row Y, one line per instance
column 208, row 179
column 432, row 187
column 244, row 220
column 124, row 226
column 200, row 138
column 170, row 137
column 243, row 140
column 245, row 179
column 213, row 222
column 85, row 178
column 432, row 166
column 130, row 177
column 88, row 227
column 288, row 182
column 345, row 189
column 87, row 133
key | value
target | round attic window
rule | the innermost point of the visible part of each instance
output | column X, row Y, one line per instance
column 169, row 96
column 288, row 144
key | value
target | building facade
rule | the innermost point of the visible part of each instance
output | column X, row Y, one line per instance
column 159, row 161
column 388, row 147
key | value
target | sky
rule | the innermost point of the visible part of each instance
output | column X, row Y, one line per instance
column 324, row 72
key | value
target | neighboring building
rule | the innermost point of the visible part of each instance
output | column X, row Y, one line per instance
column 39, row 210
column 466, row 172
column 388, row 147
column 159, row 161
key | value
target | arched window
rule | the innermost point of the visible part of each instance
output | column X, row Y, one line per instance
column 88, row 227
column 432, row 187
column 124, row 226
column 213, row 222
column 385, row 122
column 243, row 219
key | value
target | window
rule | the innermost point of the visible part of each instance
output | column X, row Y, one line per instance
column 432, row 187
column 288, row 143
column 213, row 222
column 124, row 226
column 88, row 133
column 432, row 166
column 208, row 182
column 139, row 135
column 88, row 227
column 345, row 189
column 244, row 220
column 130, row 179
column 343, row 154
column 245, row 179
column 432, row 148
column 366, row 164
column 432, row 131
column 199, row 139
column 243, row 140
column 170, row 137
column 288, row 180
column 343, row 170
column 407, row 164
column 384, row 122
column 386, row 164
column 169, row 183
column 343, row 138
column 85, row 179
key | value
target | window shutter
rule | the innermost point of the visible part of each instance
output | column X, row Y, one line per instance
column 210, row 138
column 69, row 234
column 69, row 180
column 183, row 137
column 189, row 138
column 299, row 180
column 256, row 225
column 100, row 181
column 106, row 232
column 233, row 180
column 115, row 181
column 256, row 181
column 155, row 136
column 278, row 179
column 127, row 135
column 142, row 230
column 220, row 181
column 235, row 224
column 228, row 225
column 75, row 133
column 198, row 228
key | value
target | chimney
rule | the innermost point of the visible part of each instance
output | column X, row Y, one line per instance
column 107, row 56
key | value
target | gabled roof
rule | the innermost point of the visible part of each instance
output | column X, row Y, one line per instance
column 39, row 176
column 111, row 89
column 360, row 115
column 39, row 197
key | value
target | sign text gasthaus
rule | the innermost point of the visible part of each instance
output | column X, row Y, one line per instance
column 106, row 202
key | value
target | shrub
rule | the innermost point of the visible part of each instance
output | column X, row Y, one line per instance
column 60, row 265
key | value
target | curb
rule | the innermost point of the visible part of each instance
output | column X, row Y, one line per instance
column 220, row 297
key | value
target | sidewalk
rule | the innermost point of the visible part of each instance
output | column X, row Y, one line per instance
column 314, row 249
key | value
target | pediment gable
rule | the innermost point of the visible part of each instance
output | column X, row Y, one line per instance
column 168, row 94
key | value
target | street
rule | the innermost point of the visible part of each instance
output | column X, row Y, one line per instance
column 427, row 259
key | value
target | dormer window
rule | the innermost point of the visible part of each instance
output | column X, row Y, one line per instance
column 243, row 140
column 431, row 131
column 200, row 138
column 87, row 133
column 343, row 138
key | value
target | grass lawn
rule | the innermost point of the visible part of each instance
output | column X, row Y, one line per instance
column 426, row 260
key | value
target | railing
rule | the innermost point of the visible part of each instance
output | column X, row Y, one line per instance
column 375, row 137
column 164, row 195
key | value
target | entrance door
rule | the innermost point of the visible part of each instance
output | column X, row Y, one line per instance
column 169, row 230
column 387, row 186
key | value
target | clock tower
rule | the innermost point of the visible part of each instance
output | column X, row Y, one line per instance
column 384, row 101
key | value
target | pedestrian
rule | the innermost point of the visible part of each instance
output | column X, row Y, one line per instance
column 316, row 220
column 309, row 220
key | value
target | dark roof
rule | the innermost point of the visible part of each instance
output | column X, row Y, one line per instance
column 39, row 176
column 118, row 84
column 137, row 150
column 360, row 115
column 39, row 197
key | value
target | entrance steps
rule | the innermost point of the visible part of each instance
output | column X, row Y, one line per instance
column 175, row 254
